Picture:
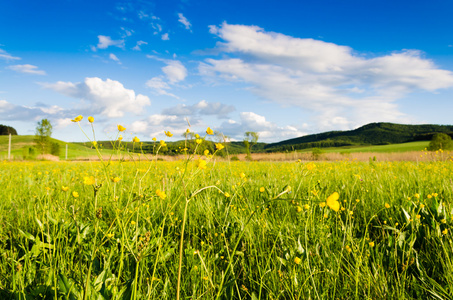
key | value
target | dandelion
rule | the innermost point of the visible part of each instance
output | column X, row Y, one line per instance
column 261, row 189
column 136, row 140
column 75, row 194
column 65, row 188
column 297, row 260
column 209, row 131
column 219, row 146
column 161, row 194
column 77, row 119
column 332, row 201
column 121, row 128
column 90, row 119
column 168, row 133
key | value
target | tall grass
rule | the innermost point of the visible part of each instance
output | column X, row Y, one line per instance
column 147, row 229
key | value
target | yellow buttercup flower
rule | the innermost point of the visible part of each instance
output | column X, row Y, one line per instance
column 332, row 201
column 136, row 140
column 89, row 180
column 201, row 164
column 227, row 195
column 209, row 131
column 299, row 209
column 162, row 143
column 77, row 119
column 65, row 188
column 120, row 138
column 161, row 194
column 198, row 141
column 168, row 133
column 371, row 244
column 154, row 139
column 75, row 194
column 387, row 205
column 90, row 119
column 261, row 189
column 206, row 152
column 297, row 260
column 116, row 179
column 121, row 128
column 219, row 146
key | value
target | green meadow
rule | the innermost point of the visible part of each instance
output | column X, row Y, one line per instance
column 198, row 228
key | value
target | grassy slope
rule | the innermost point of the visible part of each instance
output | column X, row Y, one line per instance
column 404, row 147
column 19, row 142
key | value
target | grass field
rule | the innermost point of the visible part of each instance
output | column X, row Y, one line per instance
column 202, row 229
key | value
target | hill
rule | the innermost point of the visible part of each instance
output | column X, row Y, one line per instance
column 370, row 134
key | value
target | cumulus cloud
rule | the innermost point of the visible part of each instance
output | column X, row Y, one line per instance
column 267, row 131
column 6, row 56
column 183, row 20
column 27, row 69
column 201, row 108
column 107, row 97
column 10, row 111
column 339, row 85
column 174, row 72
column 106, row 41
column 165, row 37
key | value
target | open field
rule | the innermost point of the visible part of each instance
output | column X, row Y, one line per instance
column 205, row 229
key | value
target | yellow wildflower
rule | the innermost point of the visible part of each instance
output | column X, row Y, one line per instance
column 209, row 131
column 90, row 119
column 227, row 195
column 201, row 164
column 445, row 231
column 77, row 119
column 65, row 188
column 89, row 180
column 198, row 141
column 121, row 128
column 116, row 179
column 168, row 133
column 219, row 146
column 161, row 194
column 154, row 139
column 332, row 201
column 261, row 189
column 120, row 138
column 306, row 206
column 75, row 194
column 206, row 152
column 371, row 244
column 298, row 208
column 387, row 205
column 162, row 143
column 136, row 140
column 297, row 260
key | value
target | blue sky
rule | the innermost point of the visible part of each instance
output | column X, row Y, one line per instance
column 281, row 68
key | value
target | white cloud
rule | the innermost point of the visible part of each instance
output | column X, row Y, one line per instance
column 165, row 37
column 342, row 87
column 106, row 41
column 201, row 108
column 27, row 69
column 6, row 56
column 109, row 97
column 139, row 127
column 175, row 71
column 183, row 20
column 139, row 43
column 268, row 131
column 114, row 58
column 160, row 87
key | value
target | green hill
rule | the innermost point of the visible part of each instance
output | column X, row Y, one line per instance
column 370, row 134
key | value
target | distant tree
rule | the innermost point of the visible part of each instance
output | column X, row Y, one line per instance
column 7, row 130
column 42, row 135
column 440, row 141
column 250, row 139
